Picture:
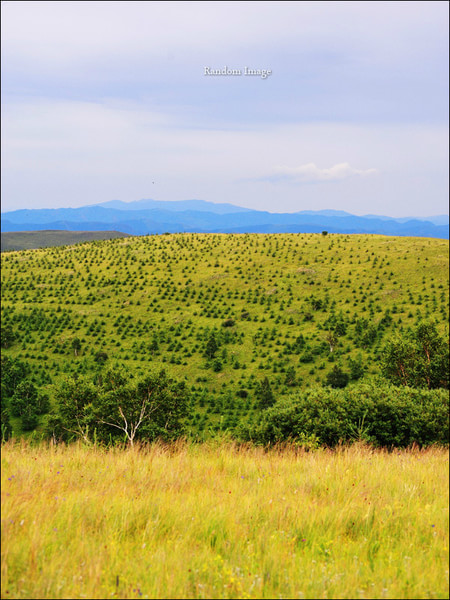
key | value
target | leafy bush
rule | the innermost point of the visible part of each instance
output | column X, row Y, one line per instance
column 28, row 403
column 375, row 412
column 419, row 358
column 25, row 396
column 30, row 418
column 13, row 372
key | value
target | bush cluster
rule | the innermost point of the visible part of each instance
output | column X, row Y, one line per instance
column 375, row 412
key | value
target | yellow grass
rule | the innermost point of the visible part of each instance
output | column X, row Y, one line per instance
column 219, row 521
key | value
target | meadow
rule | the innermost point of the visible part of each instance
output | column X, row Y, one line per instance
column 219, row 520
column 220, row 312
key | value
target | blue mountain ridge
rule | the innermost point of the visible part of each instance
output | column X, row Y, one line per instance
column 151, row 217
column 175, row 206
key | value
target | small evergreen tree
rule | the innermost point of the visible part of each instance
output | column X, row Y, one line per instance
column 217, row 365
column 356, row 367
column 337, row 378
column 211, row 347
column 290, row 378
column 264, row 394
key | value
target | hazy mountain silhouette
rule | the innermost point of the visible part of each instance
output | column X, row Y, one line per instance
column 155, row 217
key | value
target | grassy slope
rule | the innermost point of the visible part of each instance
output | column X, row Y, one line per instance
column 154, row 301
column 29, row 240
column 219, row 522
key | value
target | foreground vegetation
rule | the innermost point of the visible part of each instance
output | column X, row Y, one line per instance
column 242, row 320
column 223, row 521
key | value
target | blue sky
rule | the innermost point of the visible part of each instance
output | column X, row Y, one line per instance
column 109, row 100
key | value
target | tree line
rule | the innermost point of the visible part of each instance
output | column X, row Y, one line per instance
column 115, row 405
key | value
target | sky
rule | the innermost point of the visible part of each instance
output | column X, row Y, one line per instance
column 127, row 100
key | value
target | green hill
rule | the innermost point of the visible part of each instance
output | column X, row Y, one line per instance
column 221, row 311
column 30, row 240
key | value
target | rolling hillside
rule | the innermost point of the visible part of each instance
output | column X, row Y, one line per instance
column 222, row 312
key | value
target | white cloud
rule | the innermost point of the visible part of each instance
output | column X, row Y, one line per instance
column 310, row 173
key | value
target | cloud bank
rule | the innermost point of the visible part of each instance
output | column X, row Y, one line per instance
column 310, row 173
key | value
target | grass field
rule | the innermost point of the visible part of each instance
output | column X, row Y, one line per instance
column 222, row 521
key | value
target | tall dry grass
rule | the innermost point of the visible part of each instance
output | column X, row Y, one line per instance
column 222, row 521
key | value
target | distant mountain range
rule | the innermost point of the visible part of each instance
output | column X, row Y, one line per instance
column 156, row 217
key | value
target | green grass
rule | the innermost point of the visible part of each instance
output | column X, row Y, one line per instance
column 222, row 521
column 154, row 301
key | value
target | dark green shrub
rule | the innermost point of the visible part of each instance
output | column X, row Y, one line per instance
column 101, row 357
column 337, row 378
column 228, row 323
column 375, row 412
column 306, row 357
column 217, row 365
